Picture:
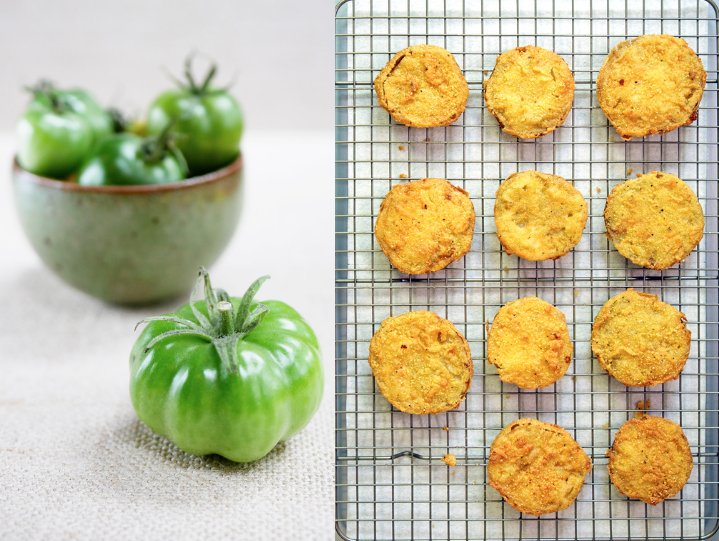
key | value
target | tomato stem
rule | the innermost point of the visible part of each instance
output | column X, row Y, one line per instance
column 188, row 74
column 226, row 323
column 155, row 148
column 47, row 90
column 221, row 325
column 210, row 74
column 120, row 123
column 192, row 86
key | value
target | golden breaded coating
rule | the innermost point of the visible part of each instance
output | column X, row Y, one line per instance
column 655, row 220
column 422, row 86
column 650, row 459
column 539, row 216
column 425, row 225
column 651, row 84
column 530, row 91
column 640, row 340
column 529, row 343
column 537, row 467
column 421, row 362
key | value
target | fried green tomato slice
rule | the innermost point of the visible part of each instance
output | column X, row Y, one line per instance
column 650, row 459
column 530, row 91
column 421, row 363
column 654, row 220
column 422, row 86
column 539, row 216
column 651, row 84
column 424, row 225
column 529, row 343
column 640, row 340
column 537, row 467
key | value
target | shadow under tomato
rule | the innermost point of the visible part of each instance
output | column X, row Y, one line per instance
column 137, row 441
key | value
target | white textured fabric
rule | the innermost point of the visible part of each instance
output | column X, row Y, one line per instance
column 76, row 463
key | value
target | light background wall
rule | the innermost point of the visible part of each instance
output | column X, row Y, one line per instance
column 281, row 52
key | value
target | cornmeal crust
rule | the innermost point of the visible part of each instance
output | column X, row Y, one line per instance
column 529, row 343
column 425, row 225
column 651, row 84
column 640, row 340
column 539, row 216
column 422, row 86
column 421, row 362
column 650, row 459
column 654, row 220
column 537, row 467
column 530, row 91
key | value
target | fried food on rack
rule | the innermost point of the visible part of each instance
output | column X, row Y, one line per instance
column 537, row 467
column 530, row 91
column 424, row 225
column 651, row 84
column 529, row 343
column 654, row 220
column 421, row 362
column 422, row 86
column 640, row 340
column 539, row 216
column 650, row 459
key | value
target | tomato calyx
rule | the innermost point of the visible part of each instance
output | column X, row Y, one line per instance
column 192, row 85
column 224, row 326
column 120, row 122
column 45, row 90
column 154, row 148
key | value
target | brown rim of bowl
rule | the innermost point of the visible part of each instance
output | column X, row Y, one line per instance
column 208, row 178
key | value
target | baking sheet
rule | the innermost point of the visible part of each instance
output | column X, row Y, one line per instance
column 391, row 483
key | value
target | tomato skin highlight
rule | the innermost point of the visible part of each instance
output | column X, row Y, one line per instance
column 82, row 103
column 118, row 160
column 51, row 143
column 182, row 390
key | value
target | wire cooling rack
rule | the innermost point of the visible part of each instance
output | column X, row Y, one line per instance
column 391, row 482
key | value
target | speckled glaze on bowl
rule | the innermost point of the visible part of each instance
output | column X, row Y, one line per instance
column 130, row 244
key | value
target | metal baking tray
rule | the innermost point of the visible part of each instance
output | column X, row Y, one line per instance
column 390, row 481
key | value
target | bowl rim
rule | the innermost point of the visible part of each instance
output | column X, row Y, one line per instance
column 207, row 178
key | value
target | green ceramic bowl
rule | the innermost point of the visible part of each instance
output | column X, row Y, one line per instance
column 130, row 244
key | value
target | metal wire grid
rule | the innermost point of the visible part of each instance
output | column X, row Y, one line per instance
column 391, row 483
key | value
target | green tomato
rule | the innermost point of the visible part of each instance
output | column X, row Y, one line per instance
column 209, row 118
column 77, row 101
column 128, row 159
column 52, row 140
column 227, row 375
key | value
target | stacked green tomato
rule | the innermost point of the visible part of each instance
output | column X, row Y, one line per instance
column 192, row 130
column 128, row 159
column 208, row 118
column 58, row 130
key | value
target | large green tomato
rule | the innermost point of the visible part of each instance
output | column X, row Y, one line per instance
column 128, row 159
column 52, row 140
column 227, row 376
column 209, row 118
